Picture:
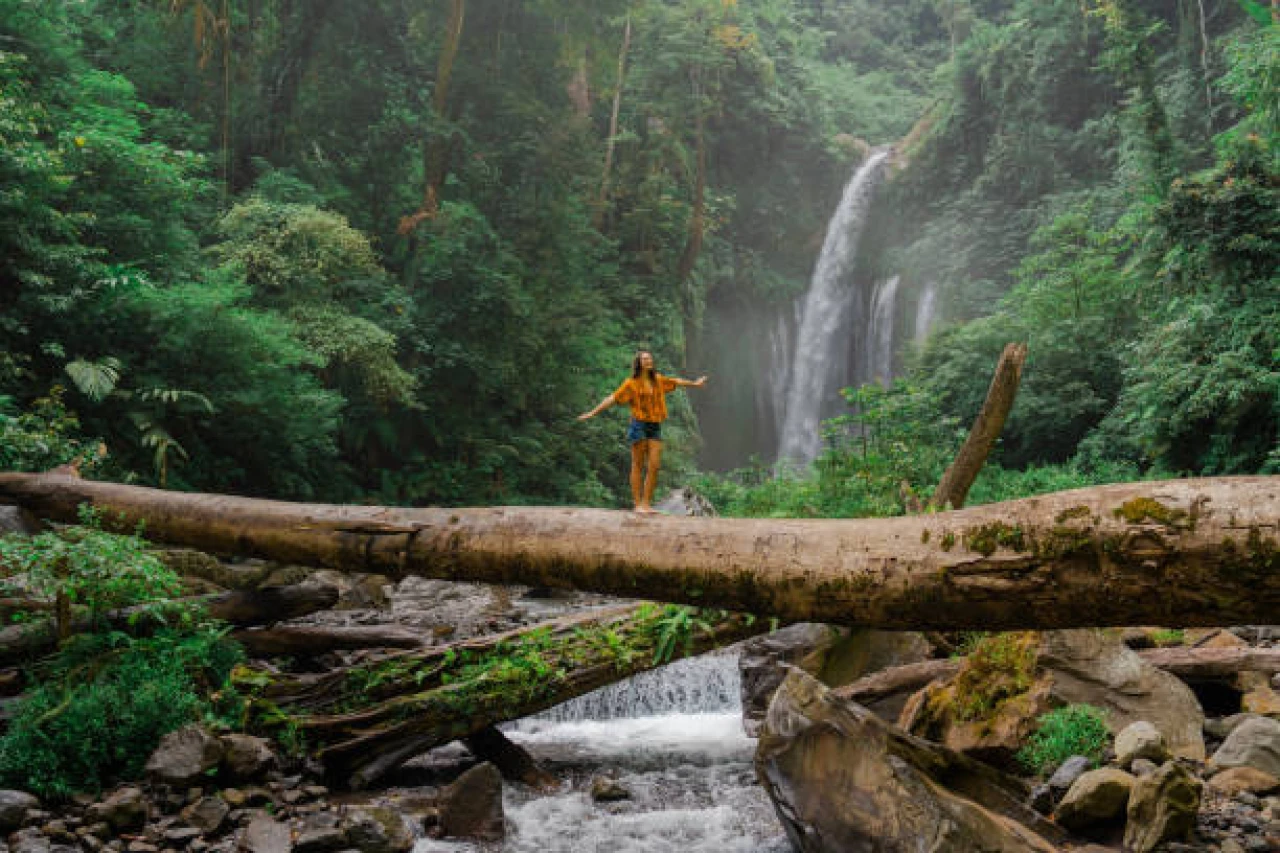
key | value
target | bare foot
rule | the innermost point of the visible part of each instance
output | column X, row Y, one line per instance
column 647, row 510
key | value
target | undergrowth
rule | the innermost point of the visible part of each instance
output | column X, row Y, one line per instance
column 1064, row 732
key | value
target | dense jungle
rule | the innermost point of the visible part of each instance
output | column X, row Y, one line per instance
column 385, row 253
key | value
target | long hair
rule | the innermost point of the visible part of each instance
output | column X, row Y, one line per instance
column 637, row 369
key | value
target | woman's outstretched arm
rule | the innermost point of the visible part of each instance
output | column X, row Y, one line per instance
column 604, row 404
column 690, row 383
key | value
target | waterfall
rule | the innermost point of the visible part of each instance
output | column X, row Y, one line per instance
column 879, row 356
column 819, row 349
column 708, row 684
column 926, row 311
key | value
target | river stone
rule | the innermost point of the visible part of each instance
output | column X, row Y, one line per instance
column 320, row 833
column 125, row 810
column 1143, row 767
column 1067, row 774
column 1140, row 740
column 184, row 757
column 246, row 758
column 265, row 835
column 685, row 502
column 760, row 670
column 377, row 829
column 1237, row 779
column 207, row 814
column 472, row 806
column 15, row 521
column 1097, row 798
column 14, row 806
column 606, row 790
column 1255, row 742
column 842, row 779
column 1162, row 807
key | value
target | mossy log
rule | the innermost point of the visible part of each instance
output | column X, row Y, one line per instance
column 307, row 640
column 1177, row 553
column 24, row 642
column 365, row 720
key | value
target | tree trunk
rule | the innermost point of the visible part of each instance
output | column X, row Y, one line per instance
column 364, row 721
column 512, row 760
column 603, row 200
column 897, row 679
column 1176, row 553
column 23, row 642
column 310, row 640
column 1212, row 663
column 964, row 469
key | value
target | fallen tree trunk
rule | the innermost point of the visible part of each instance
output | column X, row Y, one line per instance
column 897, row 679
column 1178, row 553
column 23, row 642
column 307, row 640
column 365, row 720
column 1214, row 663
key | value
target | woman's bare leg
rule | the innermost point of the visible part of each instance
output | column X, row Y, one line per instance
column 651, row 475
column 639, row 451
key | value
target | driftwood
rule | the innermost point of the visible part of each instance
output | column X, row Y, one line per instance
column 1177, row 553
column 20, row 643
column 364, row 721
column 1211, row 664
column 964, row 469
column 897, row 679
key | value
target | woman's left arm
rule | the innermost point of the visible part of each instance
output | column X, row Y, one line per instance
column 694, row 383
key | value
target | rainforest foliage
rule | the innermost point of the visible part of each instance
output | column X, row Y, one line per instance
column 385, row 251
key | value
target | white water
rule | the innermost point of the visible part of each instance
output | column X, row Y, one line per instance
column 673, row 738
column 827, row 306
column 926, row 312
column 879, row 356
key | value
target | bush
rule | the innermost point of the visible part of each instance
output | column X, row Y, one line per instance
column 1064, row 732
column 103, row 704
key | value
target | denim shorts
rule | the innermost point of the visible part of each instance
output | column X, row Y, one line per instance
column 644, row 431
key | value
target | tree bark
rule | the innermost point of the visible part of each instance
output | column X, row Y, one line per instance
column 24, row 642
column 1208, row 664
column 964, row 469
column 512, row 760
column 309, row 640
column 898, row 679
column 364, row 721
column 603, row 199
column 1176, row 553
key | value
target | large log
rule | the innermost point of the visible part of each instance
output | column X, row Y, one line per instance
column 365, row 720
column 1178, row 553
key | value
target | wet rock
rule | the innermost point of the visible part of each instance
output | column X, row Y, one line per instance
column 320, row 833
column 605, row 789
column 180, row 836
column 30, row 840
column 1097, row 799
column 246, row 758
column 207, row 814
column 124, row 810
column 842, row 779
column 377, row 830
column 14, row 806
column 760, row 668
column 1244, row 779
column 1067, row 774
column 265, row 835
column 1041, row 799
column 1255, row 742
column 687, row 502
column 184, row 757
column 1140, row 740
column 1221, row 727
column 15, row 521
column 1162, row 807
column 472, row 806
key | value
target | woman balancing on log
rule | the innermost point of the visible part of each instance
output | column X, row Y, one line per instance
column 645, row 392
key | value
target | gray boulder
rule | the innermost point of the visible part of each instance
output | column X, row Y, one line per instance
column 207, row 814
column 184, row 757
column 14, row 806
column 320, row 833
column 1162, row 807
column 842, row 779
column 1140, row 740
column 264, row 834
column 246, row 758
column 1067, row 774
column 472, row 806
column 1255, row 743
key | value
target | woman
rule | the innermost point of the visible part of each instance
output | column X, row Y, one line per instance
column 645, row 392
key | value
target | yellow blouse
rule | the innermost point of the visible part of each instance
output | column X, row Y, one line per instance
column 648, row 401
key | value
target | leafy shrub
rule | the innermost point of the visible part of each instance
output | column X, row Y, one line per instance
column 103, row 703
column 43, row 436
column 1064, row 732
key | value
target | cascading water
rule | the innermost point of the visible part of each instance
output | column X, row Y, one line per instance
column 926, row 311
column 673, row 738
column 878, row 363
column 827, row 306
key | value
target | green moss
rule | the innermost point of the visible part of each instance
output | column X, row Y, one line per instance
column 1071, row 514
column 1140, row 510
column 924, row 536
column 998, row 668
column 1063, row 541
column 989, row 538
column 948, row 541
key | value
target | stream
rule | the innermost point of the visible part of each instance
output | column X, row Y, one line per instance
column 673, row 738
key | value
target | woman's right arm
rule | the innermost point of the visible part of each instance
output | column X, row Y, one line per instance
column 604, row 404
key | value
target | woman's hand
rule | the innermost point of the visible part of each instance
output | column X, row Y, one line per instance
column 699, row 382
column 586, row 416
